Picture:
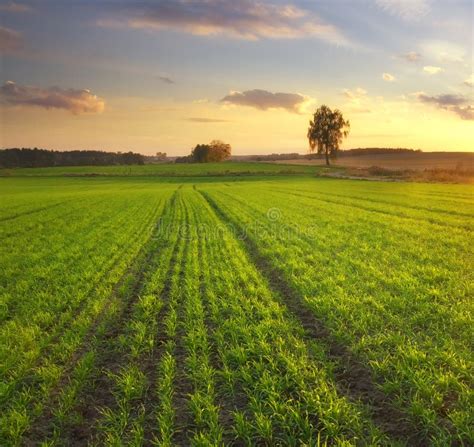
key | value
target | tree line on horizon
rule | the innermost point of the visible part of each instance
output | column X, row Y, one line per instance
column 341, row 153
column 31, row 158
column 41, row 158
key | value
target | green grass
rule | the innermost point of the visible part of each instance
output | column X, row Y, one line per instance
column 168, row 169
column 270, row 310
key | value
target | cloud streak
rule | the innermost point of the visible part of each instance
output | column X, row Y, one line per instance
column 265, row 100
column 206, row 120
column 15, row 7
column 10, row 40
column 165, row 79
column 411, row 56
column 74, row 101
column 469, row 81
column 239, row 19
column 355, row 94
column 432, row 70
column 409, row 10
column 453, row 103
column 357, row 100
column 388, row 77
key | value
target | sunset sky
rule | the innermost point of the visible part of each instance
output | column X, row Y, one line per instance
column 165, row 75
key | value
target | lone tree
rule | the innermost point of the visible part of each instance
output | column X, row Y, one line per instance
column 326, row 131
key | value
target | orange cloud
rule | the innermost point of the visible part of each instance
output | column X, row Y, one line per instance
column 242, row 19
column 15, row 7
column 264, row 100
column 74, row 101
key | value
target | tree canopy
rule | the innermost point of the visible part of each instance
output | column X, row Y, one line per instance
column 326, row 131
column 35, row 158
column 215, row 151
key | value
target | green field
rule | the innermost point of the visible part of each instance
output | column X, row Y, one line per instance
column 278, row 310
column 167, row 170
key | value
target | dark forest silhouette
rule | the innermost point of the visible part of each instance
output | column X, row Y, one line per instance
column 39, row 158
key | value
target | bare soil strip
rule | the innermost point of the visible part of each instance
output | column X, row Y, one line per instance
column 354, row 379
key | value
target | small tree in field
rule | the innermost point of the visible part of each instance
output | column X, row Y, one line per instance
column 326, row 131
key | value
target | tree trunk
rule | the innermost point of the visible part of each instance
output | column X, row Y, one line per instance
column 327, row 157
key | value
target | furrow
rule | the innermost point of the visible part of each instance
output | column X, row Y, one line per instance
column 355, row 380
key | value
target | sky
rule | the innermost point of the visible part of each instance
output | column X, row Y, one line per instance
column 165, row 75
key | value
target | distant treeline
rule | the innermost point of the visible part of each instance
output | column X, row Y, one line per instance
column 40, row 158
column 376, row 151
column 340, row 153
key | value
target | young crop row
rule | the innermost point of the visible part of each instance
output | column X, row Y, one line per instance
column 381, row 288
column 45, row 322
column 217, row 359
column 204, row 353
column 314, row 312
column 275, row 387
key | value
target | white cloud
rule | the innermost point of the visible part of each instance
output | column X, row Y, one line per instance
column 75, row 101
column 430, row 69
column 388, row 77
